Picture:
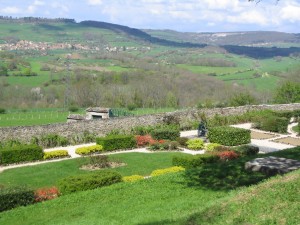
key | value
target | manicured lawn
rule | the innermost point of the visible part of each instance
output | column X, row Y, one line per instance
column 48, row 174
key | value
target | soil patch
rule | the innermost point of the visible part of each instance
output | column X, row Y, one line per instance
column 262, row 136
column 289, row 141
column 92, row 167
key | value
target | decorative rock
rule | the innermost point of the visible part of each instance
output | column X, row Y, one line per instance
column 272, row 165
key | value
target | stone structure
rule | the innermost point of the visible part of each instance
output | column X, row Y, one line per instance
column 75, row 118
column 272, row 165
column 97, row 113
column 102, row 127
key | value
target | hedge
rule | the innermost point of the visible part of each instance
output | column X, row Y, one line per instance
column 191, row 161
column 88, row 150
column 211, row 147
column 15, row 196
column 21, row 153
column 246, row 150
column 166, row 134
column 195, row 144
column 115, row 142
column 89, row 181
column 132, row 178
column 273, row 124
column 229, row 136
column 56, row 154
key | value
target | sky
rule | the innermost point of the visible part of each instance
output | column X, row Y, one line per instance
column 179, row 15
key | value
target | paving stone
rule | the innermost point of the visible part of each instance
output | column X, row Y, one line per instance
column 273, row 165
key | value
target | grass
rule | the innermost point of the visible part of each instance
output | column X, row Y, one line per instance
column 296, row 128
column 168, row 199
column 48, row 174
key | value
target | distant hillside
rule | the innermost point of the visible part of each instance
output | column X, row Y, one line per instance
column 253, row 38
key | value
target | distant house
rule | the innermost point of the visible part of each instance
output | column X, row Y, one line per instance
column 95, row 113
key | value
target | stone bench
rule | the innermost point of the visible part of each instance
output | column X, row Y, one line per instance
column 272, row 165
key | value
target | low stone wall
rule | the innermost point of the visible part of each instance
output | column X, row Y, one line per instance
column 102, row 127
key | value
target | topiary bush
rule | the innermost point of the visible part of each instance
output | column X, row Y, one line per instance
column 115, row 142
column 89, row 150
column 15, row 196
column 89, row 181
column 191, row 161
column 56, row 154
column 229, row 136
column 247, row 150
column 132, row 178
column 20, row 153
column 173, row 169
column 168, row 133
column 195, row 144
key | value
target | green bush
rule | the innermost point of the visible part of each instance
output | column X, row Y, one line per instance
column 182, row 141
column 2, row 111
column 273, row 124
column 88, row 150
column 56, row 154
column 73, row 108
column 89, row 181
column 115, row 142
column 166, row 134
column 246, row 150
column 211, row 147
column 229, row 136
column 15, row 196
column 50, row 140
column 191, row 161
column 21, row 153
column 195, row 144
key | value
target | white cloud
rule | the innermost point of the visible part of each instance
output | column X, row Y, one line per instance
column 38, row 3
column 94, row 2
column 10, row 10
column 290, row 13
column 61, row 7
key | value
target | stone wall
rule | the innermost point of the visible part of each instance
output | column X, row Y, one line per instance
column 102, row 127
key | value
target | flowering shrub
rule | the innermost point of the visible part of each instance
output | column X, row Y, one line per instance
column 132, row 178
column 56, row 154
column 173, row 169
column 143, row 140
column 195, row 144
column 44, row 194
column 228, row 155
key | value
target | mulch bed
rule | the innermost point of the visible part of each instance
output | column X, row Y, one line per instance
column 289, row 140
column 262, row 136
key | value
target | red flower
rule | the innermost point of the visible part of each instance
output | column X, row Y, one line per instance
column 228, row 155
column 44, row 194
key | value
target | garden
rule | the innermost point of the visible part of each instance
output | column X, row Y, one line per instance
column 192, row 184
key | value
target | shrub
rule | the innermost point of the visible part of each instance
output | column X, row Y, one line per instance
column 142, row 130
column 132, row 178
column 88, row 150
column 228, row 155
column 166, row 133
column 43, row 194
column 182, row 141
column 246, row 150
column 21, row 153
column 195, row 144
column 211, row 147
column 222, row 148
column 99, row 161
column 2, row 111
column 56, row 154
column 85, row 137
column 89, row 181
column 173, row 169
column 50, row 140
column 229, row 136
column 191, row 161
column 73, row 108
column 115, row 142
column 273, row 124
column 143, row 140
column 161, row 145
column 15, row 196
column 173, row 145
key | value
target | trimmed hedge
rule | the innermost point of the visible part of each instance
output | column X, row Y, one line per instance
column 15, row 196
column 191, row 161
column 166, row 134
column 115, row 142
column 211, row 147
column 89, row 181
column 56, row 154
column 21, row 153
column 273, row 124
column 195, row 144
column 229, row 136
column 88, row 150
column 173, row 169
column 132, row 178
